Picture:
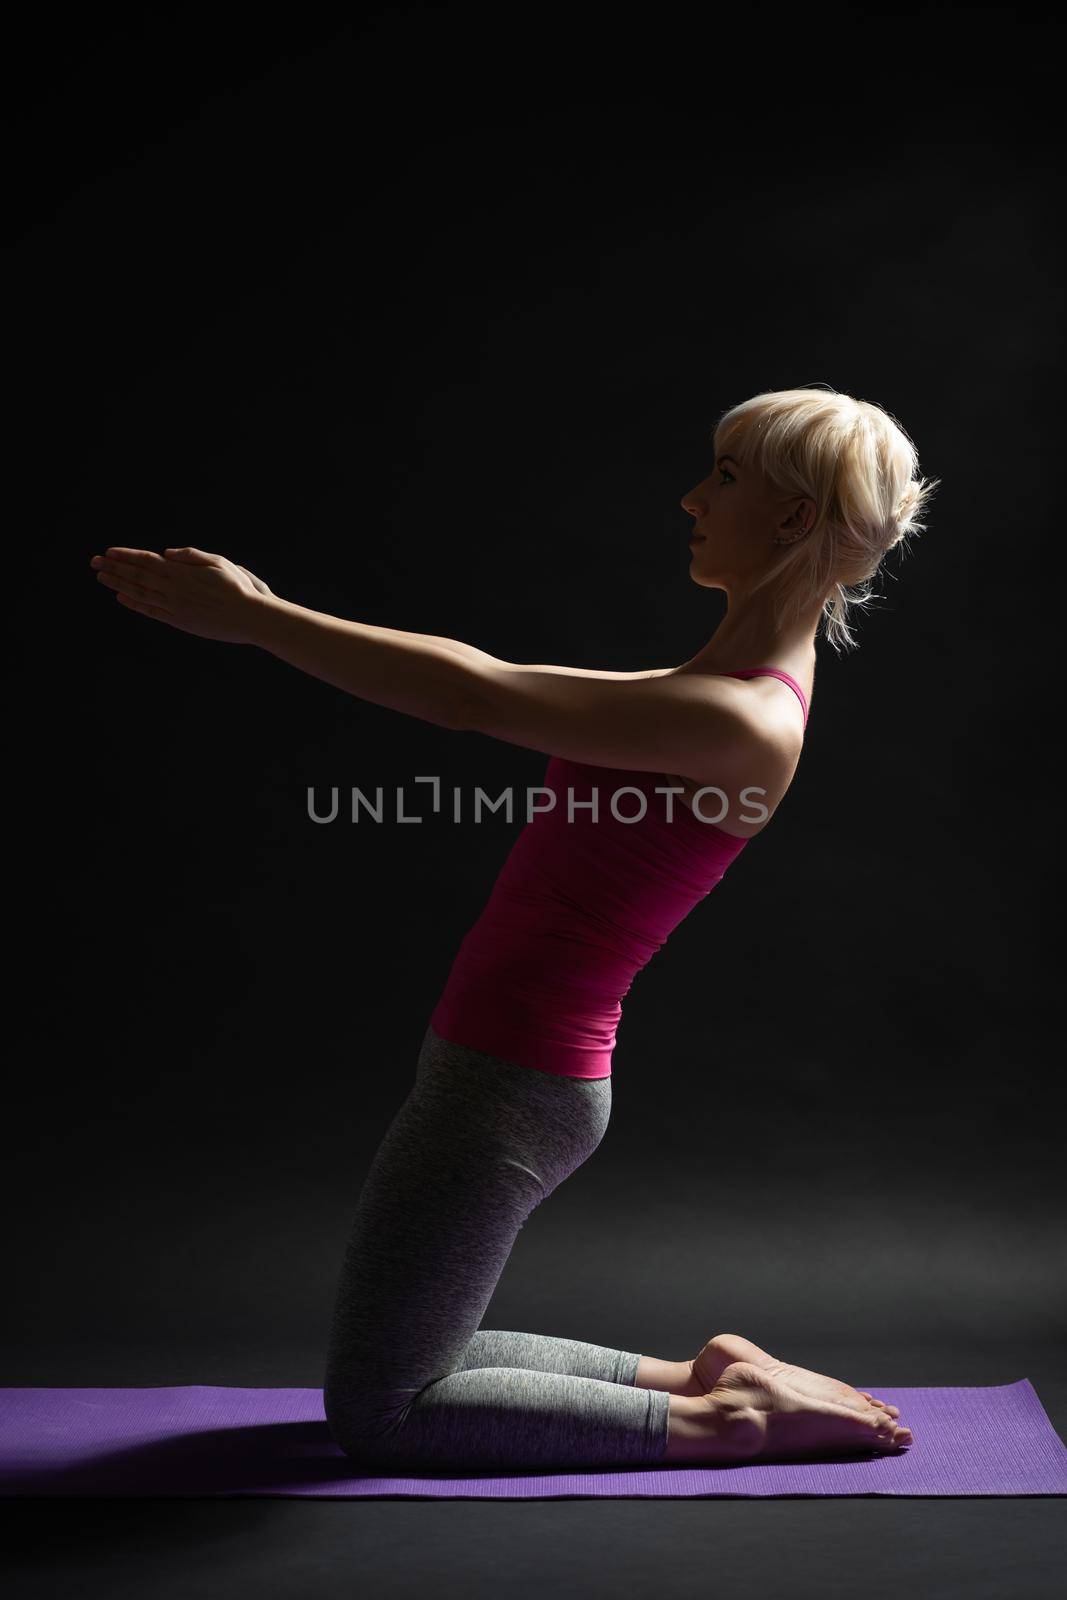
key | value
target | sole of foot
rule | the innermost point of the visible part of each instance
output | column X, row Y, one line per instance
column 726, row 1348
column 763, row 1419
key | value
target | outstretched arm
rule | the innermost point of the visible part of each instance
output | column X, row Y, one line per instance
column 657, row 721
column 647, row 721
column 208, row 595
column 198, row 592
column 438, row 679
column 421, row 674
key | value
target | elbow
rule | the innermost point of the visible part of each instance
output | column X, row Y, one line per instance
column 455, row 720
column 465, row 715
column 464, row 711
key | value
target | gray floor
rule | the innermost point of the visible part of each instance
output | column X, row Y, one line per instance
column 1006, row 1549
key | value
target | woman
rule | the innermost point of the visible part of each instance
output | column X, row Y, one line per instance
column 656, row 783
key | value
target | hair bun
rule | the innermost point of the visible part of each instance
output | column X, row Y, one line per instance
column 900, row 523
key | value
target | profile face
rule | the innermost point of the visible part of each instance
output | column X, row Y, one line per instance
column 739, row 524
column 725, row 516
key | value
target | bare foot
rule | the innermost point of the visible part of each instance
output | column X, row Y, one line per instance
column 726, row 1348
column 762, row 1419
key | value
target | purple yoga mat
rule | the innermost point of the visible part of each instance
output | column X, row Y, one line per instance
column 199, row 1439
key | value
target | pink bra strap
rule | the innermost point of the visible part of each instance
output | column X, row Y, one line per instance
column 773, row 672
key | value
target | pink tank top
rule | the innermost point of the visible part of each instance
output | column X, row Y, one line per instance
column 578, row 909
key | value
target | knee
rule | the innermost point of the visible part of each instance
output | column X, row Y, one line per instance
column 365, row 1426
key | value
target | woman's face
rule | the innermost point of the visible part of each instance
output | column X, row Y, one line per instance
column 736, row 520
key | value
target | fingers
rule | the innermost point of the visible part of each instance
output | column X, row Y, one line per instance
column 122, row 552
column 130, row 577
column 143, row 574
column 192, row 556
column 143, row 606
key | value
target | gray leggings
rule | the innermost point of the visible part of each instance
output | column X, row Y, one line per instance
column 412, row 1381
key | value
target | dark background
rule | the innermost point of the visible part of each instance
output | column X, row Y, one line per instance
column 425, row 314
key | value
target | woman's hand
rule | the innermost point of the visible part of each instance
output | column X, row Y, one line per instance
column 190, row 589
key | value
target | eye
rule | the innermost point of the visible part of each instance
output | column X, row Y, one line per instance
column 726, row 473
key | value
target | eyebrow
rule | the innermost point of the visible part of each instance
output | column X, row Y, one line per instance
column 727, row 458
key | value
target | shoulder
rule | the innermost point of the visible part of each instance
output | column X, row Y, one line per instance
column 767, row 729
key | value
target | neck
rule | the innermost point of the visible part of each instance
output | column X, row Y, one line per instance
column 749, row 636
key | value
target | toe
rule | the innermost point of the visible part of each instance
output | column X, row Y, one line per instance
column 887, row 1432
column 893, row 1411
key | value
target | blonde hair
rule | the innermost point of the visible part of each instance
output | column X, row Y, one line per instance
column 858, row 465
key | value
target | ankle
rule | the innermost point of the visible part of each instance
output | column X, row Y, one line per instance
column 675, row 1377
column 701, row 1429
